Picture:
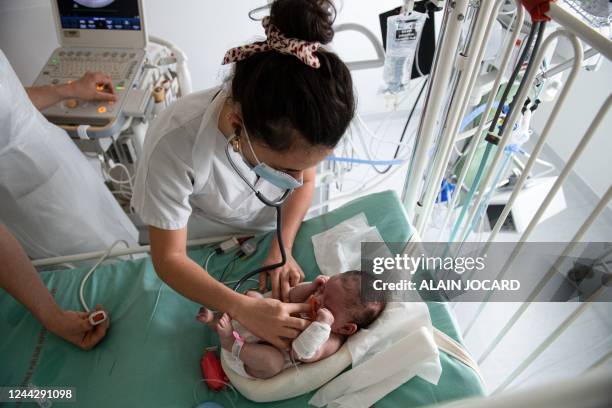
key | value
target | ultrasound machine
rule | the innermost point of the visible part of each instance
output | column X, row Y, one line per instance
column 95, row 35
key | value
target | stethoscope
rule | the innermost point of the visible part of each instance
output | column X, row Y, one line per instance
column 234, row 144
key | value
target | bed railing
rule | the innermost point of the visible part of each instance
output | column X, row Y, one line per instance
column 439, row 132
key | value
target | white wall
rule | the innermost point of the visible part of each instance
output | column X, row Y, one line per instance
column 203, row 29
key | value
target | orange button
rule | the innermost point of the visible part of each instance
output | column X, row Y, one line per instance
column 71, row 103
column 102, row 109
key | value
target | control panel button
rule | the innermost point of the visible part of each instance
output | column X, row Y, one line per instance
column 72, row 103
column 102, row 109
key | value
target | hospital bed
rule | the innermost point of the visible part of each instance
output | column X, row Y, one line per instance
column 151, row 354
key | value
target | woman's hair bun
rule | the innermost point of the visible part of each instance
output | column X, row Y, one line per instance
column 309, row 20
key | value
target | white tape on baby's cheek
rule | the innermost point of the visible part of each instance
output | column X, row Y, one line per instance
column 310, row 341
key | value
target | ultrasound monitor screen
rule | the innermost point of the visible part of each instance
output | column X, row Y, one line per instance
column 99, row 14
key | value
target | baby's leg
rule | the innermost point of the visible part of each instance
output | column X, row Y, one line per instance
column 260, row 360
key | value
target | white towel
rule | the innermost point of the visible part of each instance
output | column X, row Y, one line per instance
column 396, row 347
column 339, row 248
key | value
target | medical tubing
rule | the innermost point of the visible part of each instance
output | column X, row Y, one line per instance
column 485, row 201
column 540, row 28
column 398, row 147
column 279, row 235
column 523, row 82
column 500, row 107
column 517, row 69
column 471, row 192
column 389, row 163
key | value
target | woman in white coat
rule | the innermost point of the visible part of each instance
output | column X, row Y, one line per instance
column 285, row 108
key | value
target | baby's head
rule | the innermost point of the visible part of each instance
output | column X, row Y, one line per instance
column 341, row 295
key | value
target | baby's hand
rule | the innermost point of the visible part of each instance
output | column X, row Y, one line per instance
column 325, row 316
column 320, row 280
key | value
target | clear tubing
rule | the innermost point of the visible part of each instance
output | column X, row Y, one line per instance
column 488, row 11
column 489, row 194
column 479, row 135
column 394, row 162
column 577, row 47
column 471, row 192
column 517, row 101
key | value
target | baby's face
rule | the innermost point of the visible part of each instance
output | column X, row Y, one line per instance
column 333, row 296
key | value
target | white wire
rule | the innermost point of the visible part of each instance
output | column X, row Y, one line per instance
column 208, row 260
column 93, row 268
column 129, row 179
column 195, row 398
column 457, row 150
column 416, row 59
column 238, row 280
column 374, row 135
column 125, row 187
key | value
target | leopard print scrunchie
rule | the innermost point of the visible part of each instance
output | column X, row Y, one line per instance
column 303, row 50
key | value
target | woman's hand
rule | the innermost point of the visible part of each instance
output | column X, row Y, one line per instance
column 271, row 320
column 75, row 328
column 92, row 86
column 283, row 278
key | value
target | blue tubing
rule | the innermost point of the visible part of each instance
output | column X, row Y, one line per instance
column 485, row 202
column 364, row 161
column 473, row 188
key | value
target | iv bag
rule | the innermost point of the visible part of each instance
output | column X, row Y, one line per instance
column 403, row 36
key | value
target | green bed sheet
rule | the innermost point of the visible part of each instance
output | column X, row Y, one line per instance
column 151, row 354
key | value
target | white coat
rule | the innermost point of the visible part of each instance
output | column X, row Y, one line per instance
column 51, row 198
column 185, row 179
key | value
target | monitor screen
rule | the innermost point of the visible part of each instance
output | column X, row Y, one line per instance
column 99, row 14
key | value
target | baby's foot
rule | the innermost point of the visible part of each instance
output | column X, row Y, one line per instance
column 206, row 316
column 225, row 331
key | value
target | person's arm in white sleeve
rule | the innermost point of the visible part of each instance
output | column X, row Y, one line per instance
column 19, row 278
column 92, row 86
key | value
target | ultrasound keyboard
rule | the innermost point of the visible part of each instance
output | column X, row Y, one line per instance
column 66, row 65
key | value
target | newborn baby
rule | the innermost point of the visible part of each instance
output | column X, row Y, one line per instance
column 337, row 312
